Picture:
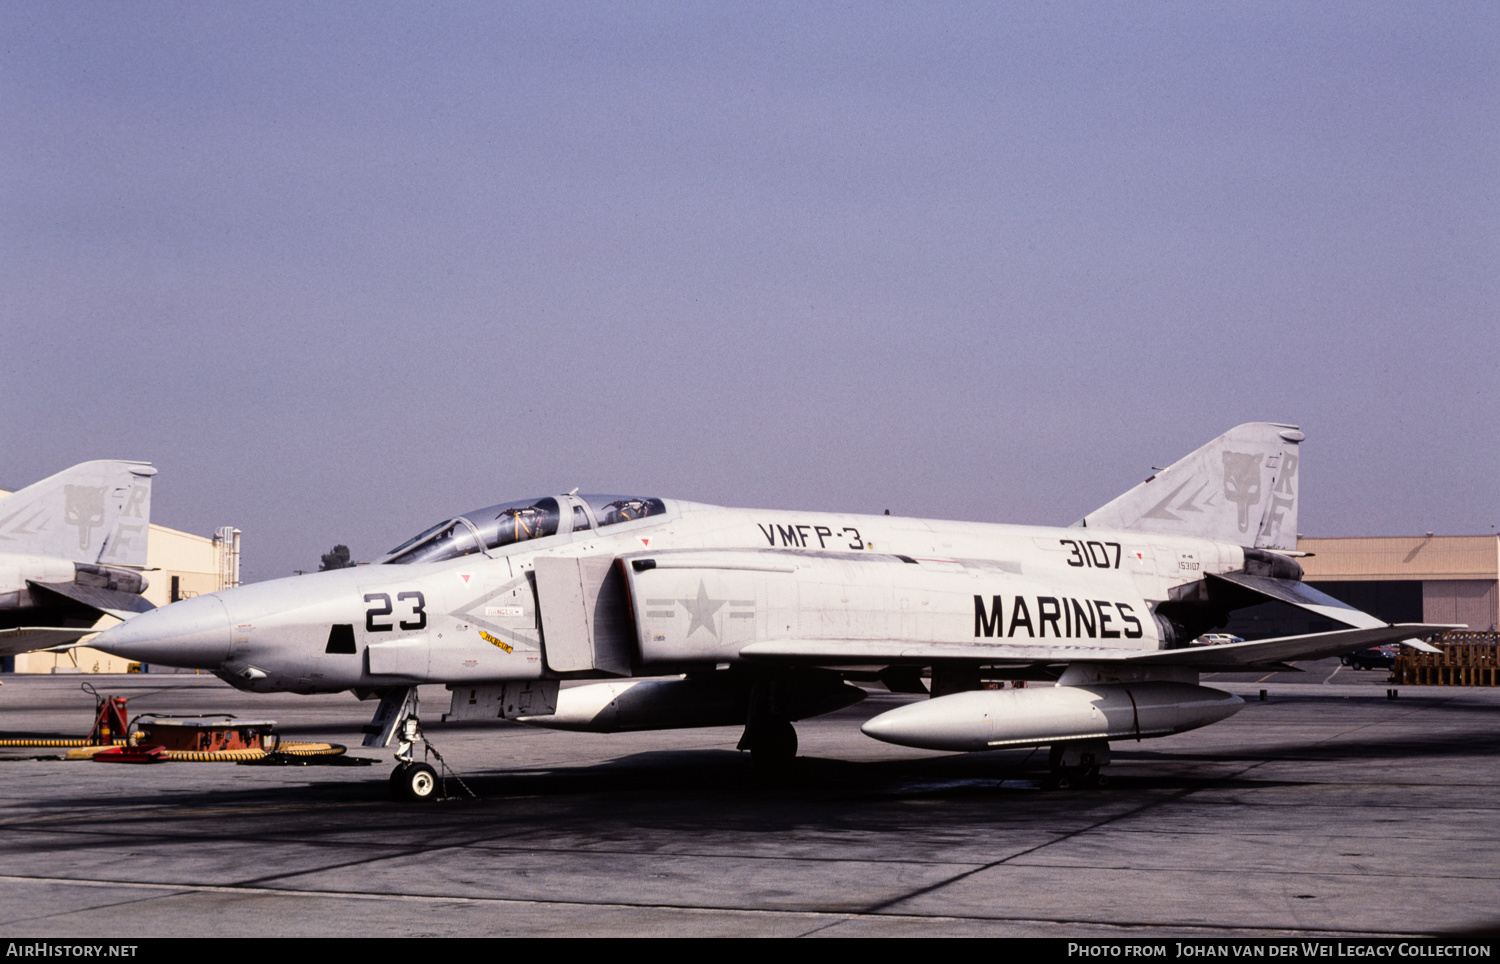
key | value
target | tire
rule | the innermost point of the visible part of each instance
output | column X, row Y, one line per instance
column 415, row 781
column 397, row 775
column 775, row 743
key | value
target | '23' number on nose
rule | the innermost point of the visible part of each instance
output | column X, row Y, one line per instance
column 418, row 611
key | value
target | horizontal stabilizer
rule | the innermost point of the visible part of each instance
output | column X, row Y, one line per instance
column 1302, row 596
column 29, row 639
column 121, row 605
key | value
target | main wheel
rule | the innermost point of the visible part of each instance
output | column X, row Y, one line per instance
column 775, row 743
column 414, row 781
column 1088, row 776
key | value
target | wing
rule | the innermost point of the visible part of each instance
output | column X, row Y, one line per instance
column 1283, row 648
column 29, row 639
column 1262, row 652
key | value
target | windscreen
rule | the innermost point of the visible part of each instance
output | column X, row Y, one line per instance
column 496, row 526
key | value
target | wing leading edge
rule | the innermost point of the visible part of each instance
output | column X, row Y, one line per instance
column 1226, row 656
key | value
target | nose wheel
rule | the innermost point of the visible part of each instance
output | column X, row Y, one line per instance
column 413, row 781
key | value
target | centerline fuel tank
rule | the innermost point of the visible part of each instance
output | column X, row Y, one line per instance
column 992, row 719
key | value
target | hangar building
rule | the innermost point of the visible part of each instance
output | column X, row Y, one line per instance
column 1434, row 579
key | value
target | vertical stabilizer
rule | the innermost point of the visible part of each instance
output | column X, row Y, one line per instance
column 1241, row 487
column 96, row 512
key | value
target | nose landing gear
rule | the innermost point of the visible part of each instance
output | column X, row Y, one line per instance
column 412, row 780
column 396, row 718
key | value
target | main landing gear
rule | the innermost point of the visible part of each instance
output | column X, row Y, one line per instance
column 1076, row 765
column 769, row 734
column 772, row 742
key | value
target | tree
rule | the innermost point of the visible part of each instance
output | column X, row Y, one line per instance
column 337, row 559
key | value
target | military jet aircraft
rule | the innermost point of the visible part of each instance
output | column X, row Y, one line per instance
column 72, row 548
column 765, row 617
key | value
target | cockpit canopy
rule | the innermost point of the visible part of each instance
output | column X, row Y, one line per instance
column 613, row 509
column 510, row 522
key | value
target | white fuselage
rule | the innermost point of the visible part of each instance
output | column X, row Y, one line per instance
column 685, row 589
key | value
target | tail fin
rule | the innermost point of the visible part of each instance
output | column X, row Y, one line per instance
column 1241, row 487
column 96, row 512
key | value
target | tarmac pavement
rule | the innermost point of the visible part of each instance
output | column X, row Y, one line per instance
column 1325, row 810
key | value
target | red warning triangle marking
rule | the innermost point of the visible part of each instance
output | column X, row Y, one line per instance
column 645, row 541
column 465, row 576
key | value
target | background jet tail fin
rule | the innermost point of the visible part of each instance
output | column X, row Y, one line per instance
column 1241, row 487
column 96, row 512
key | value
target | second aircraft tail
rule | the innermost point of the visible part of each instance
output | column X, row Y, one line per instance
column 95, row 512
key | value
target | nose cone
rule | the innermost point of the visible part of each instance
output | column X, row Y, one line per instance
column 193, row 634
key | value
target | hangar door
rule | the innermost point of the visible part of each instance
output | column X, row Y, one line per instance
column 585, row 619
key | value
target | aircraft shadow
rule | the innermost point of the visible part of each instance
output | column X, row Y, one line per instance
column 681, row 776
column 1477, row 742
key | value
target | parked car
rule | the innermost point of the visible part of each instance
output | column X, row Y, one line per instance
column 1370, row 659
column 1216, row 639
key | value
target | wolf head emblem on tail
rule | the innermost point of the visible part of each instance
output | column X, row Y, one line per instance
column 84, row 508
column 1242, row 483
